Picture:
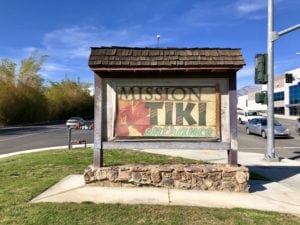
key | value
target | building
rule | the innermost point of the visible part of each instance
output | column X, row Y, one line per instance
column 247, row 102
column 286, row 96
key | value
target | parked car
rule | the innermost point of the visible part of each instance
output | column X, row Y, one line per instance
column 75, row 122
column 259, row 126
column 297, row 126
column 244, row 117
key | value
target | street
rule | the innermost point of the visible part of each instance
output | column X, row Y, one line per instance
column 32, row 137
column 285, row 147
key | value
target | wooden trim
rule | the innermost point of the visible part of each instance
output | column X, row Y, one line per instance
column 112, row 69
column 232, row 152
column 165, row 145
column 163, row 75
column 218, row 112
column 111, row 91
column 98, row 148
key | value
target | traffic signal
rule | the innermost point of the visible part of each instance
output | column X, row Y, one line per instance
column 261, row 71
column 289, row 78
column 261, row 97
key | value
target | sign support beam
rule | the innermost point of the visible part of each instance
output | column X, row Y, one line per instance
column 98, row 145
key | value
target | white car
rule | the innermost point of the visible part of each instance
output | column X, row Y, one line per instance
column 247, row 116
column 75, row 121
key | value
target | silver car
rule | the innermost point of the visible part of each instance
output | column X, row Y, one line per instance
column 75, row 122
column 297, row 126
column 259, row 126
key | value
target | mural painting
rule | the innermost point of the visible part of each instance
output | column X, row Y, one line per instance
column 162, row 112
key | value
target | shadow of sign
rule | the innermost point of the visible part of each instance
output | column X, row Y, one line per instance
column 289, row 175
column 295, row 157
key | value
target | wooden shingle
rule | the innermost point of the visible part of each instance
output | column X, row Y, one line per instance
column 125, row 57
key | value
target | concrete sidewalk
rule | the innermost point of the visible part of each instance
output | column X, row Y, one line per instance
column 264, row 196
column 281, row 193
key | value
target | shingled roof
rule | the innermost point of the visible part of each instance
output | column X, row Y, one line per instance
column 110, row 58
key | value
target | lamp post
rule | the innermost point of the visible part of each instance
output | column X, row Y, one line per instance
column 158, row 38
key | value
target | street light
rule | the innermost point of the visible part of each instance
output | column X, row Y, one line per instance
column 158, row 38
column 272, row 37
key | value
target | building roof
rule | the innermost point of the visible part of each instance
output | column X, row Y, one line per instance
column 112, row 58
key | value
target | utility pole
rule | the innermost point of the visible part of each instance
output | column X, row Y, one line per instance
column 272, row 37
column 270, row 126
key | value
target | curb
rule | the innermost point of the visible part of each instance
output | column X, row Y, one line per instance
column 41, row 150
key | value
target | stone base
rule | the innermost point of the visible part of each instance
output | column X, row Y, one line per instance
column 214, row 177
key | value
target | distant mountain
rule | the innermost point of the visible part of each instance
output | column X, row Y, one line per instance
column 246, row 89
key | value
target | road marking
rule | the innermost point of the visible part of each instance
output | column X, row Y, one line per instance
column 275, row 147
column 289, row 147
column 26, row 135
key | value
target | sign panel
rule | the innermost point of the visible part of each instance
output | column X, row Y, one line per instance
column 167, row 112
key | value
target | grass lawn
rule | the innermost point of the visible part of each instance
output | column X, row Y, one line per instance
column 23, row 177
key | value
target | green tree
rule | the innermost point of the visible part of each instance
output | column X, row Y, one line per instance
column 22, row 98
column 29, row 71
column 69, row 98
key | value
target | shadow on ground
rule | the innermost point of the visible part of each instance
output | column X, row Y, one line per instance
column 289, row 175
column 297, row 156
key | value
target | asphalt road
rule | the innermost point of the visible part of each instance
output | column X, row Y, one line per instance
column 284, row 147
column 24, row 138
column 16, row 139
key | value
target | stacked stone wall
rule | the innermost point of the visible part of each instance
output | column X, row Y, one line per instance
column 214, row 177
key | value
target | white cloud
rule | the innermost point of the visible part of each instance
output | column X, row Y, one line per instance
column 68, row 49
column 253, row 9
column 200, row 14
column 246, row 72
column 250, row 6
column 75, row 42
column 53, row 67
column 29, row 50
column 284, row 65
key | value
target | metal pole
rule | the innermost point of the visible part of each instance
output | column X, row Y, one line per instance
column 288, row 30
column 270, row 126
column 70, row 138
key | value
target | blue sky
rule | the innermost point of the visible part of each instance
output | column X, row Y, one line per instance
column 66, row 29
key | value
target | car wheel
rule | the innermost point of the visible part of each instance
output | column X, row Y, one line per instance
column 263, row 134
column 248, row 131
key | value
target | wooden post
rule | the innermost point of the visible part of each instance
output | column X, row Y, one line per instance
column 232, row 152
column 98, row 150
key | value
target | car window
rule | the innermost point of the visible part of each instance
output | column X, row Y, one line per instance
column 276, row 123
column 254, row 121
column 252, row 113
column 263, row 122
